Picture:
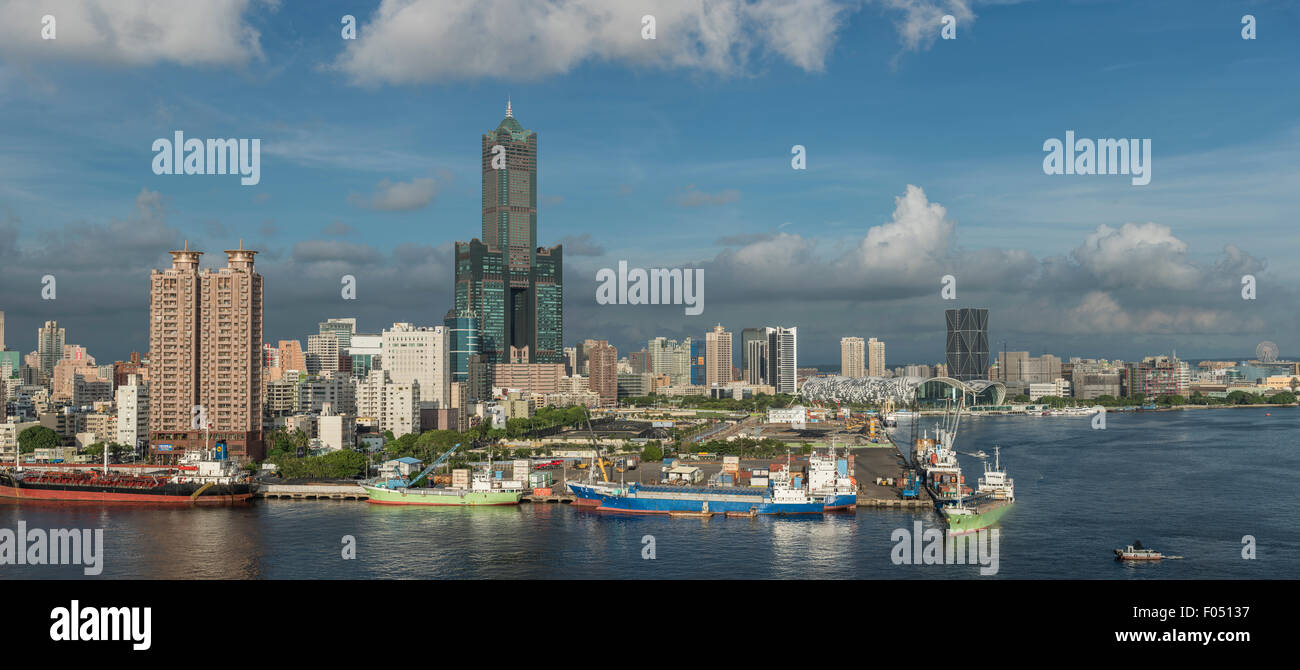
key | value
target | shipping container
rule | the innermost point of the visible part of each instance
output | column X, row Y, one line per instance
column 542, row 492
column 758, row 481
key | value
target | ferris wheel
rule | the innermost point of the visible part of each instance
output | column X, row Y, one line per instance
column 1266, row 352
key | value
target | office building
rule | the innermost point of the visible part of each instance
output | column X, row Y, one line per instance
column 49, row 347
column 462, row 342
column 783, row 359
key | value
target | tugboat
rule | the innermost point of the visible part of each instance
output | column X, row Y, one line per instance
column 1136, row 552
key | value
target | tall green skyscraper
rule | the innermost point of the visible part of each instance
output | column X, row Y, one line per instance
column 514, row 286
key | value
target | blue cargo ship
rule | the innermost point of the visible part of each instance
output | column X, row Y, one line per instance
column 828, row 488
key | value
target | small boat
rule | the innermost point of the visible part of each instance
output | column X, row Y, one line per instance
column 704, row 512
column 1136, row 552
column 980, row 454
column 753, row 512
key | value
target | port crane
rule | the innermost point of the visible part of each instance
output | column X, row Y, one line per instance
column 439, row 461
column 597, row 459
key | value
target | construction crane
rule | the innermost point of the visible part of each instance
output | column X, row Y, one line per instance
column 596, row 458
column 439, row 461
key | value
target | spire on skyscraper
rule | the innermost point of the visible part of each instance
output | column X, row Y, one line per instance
column 509, row 114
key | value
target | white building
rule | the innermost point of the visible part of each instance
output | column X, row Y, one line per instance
column 394, row 406
column 1059, row 388
column 8, row 441
column 132, row 412
column 793, row 415
column 414, row 355
column 337, row 431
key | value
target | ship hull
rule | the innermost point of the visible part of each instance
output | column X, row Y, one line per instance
column 178, row 494
column 720, row 503
column 984, row 516
column 440, row 497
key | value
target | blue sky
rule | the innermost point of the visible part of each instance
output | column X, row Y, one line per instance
column 675, row 153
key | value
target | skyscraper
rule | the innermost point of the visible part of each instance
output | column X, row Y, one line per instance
column 852, row 355
column 205, row 339
column 2, row 330
column 756, row 361
column 514, row 286
column 968, row 343
column 49, row 346
column 717, row 353
column 875, row 358
column 783, row 359
column 462, row 342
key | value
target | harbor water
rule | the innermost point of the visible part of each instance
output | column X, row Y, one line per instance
column 1191, row 484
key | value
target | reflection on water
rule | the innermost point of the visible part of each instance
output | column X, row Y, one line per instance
column 1174, row 481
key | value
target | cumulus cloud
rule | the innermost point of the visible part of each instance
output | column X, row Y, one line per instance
column 1121, row 287
column 132, row 32
column 417, row 41
column 397, row 196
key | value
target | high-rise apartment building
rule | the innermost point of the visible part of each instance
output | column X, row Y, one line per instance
column 875, row 358
column 783, row 359
column 852, row 357
column 412, row 354
column 717, row 355
column 674, row 359
column 602, row 362
column 49, row 347
column 967, row 348
column 205, row 341
column 395, row 406
column 514, row 286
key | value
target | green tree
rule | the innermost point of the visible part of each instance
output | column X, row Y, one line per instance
column 1283, row 398
column 652, row 452
column 38, row 437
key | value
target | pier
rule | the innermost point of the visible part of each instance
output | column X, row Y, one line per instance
column 310, row 491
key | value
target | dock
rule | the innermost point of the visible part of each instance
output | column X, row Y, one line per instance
column 310, row 491
column 552, row 498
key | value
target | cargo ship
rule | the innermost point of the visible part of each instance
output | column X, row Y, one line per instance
column 482, row 490
column 200, row 479
column 995, row 495
column 828, row 488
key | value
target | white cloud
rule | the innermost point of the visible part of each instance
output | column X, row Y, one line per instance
column 132, row 32
column 919, row 25
column 693, row 198
column 398, row 196
column 415, row 41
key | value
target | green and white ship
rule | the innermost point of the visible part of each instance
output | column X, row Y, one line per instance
column 482, row 490
column 995, row 495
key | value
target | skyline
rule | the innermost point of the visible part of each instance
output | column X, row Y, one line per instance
column 699, row 177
